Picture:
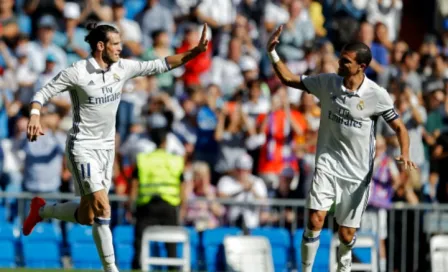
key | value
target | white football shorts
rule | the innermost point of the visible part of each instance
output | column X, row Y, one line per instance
column 350, row 198
column 91, row 169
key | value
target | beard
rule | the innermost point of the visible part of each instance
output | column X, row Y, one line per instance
column 108, row 59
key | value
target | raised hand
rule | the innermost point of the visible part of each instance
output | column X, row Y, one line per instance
column 203, row 42
column 274, row 39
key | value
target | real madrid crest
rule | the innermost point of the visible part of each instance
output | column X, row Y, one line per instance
column 360, row 105
column 116, row 77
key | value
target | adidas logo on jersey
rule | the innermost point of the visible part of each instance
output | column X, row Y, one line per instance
column 91, row 83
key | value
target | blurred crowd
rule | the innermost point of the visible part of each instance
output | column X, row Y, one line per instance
column 242, row 133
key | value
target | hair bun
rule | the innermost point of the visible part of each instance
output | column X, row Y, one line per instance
column 91, row 26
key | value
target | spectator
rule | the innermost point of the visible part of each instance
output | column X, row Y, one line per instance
column 43, row 160
column 96, row 11
column 408, row 72
column 379, row 53
column 232, row 133
column 281, row 127
column 154, row 17
column 201, row 215
column 243, row 186
column 297, row 32
column 226, row 72
column 161, row 48
column 286, row 216
column 37, row 9
column 385, row 179
column 131, row 34
column 387, row 12
column 71, row 38
column 43, row 46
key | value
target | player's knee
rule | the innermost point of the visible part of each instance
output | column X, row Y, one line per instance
column 85, row 218
column 316, row 221
column 102, row 210
column 346, row 235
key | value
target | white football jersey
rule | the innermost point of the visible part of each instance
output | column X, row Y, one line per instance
column 346, row 141
column 95, row 94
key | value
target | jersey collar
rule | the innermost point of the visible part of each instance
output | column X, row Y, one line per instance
column 96, row 67
column 358, row 92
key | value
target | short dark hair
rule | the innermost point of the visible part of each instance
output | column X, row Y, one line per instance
column 363, row 53
column 98, row 33
column 158, row 136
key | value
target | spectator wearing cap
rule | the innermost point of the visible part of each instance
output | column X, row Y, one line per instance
column 131, row 34
column 39, row 49
column 154, row 17
column 71, row 38
column 43, row 159
column 241, row 185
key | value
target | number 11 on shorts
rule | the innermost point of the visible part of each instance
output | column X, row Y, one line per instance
column 85, row 170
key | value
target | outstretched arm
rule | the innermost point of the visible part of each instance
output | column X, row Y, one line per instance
column 284, row 74
column 182, row 58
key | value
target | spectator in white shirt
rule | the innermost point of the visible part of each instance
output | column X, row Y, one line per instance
column 243, row 186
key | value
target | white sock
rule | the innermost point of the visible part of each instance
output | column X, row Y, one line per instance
column 345, row 256
column 310, row 244
column 62, row 211
column 103, row 240
column 383, row 265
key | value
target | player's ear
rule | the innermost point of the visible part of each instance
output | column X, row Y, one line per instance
column 100, row 46
column 363, row 67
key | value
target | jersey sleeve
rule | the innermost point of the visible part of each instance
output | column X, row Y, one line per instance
column 144, row 68
column 316, row 84
column 385, row 106
column 62, row 82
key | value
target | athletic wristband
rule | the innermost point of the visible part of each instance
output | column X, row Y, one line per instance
column 274, row 56
column 35, row 112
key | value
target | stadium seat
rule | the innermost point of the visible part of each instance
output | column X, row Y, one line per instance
column 213, row 247
column 42, row 255
column 194, row 248
column 124, row 246
column 42, row 248
column 321, row 262
column 280, row 243
column 82, row 248
column 7, row 245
